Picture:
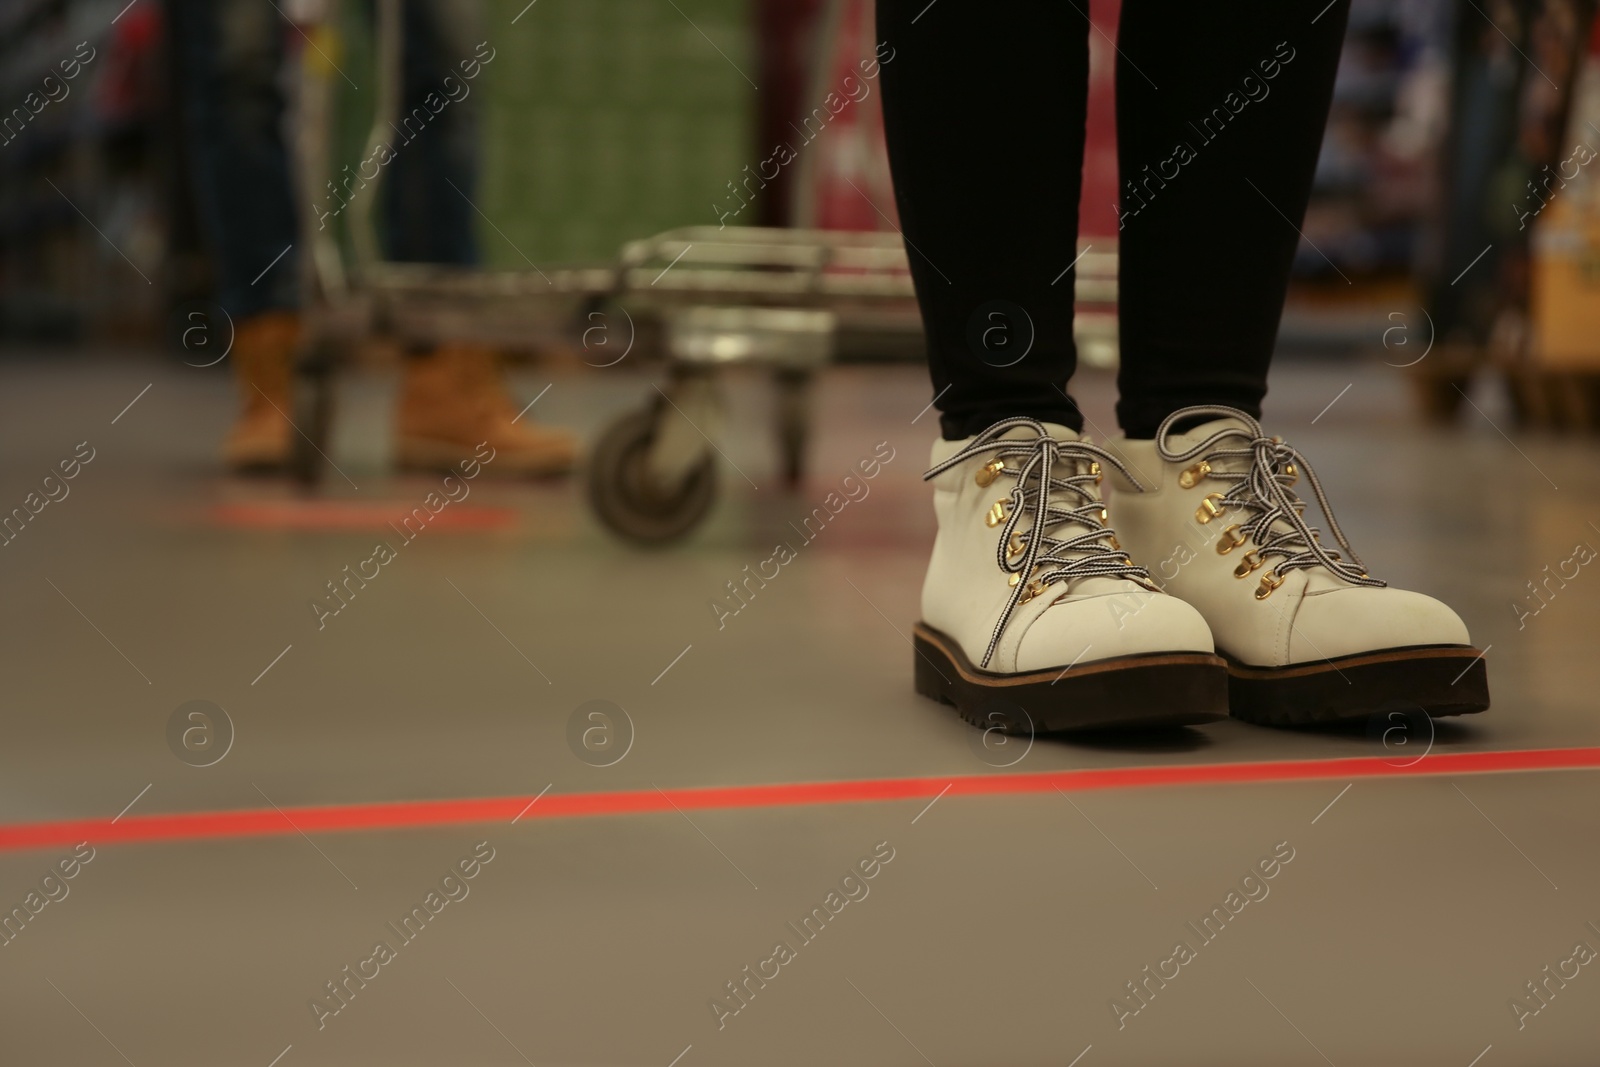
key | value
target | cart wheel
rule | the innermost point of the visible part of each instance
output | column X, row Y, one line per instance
column 313, row 416
column 624, row 493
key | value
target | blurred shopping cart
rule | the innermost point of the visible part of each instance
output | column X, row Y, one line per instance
column 696, row 301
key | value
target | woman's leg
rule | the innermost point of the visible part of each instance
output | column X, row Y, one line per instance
column 1217, row 160
column 984, row 110
column 1220, row 115
column 984, row 116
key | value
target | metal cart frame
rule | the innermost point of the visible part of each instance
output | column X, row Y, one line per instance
column 701, row 299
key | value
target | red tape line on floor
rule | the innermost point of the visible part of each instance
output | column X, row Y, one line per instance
column 411, row 814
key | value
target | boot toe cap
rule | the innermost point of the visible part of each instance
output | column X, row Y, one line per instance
column 1097, row 628
column 1350, row 621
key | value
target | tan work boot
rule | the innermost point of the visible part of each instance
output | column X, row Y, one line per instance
column 263, row 362
column 453, row 399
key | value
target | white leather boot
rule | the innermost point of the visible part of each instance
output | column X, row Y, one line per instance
column 1033, row 619
column 1308, row 635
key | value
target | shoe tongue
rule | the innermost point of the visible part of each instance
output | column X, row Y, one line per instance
column 943, row 449
column 1055, row 430
column 1240, row 434
column 1240, row 439
column 1059, row 432
column 1078, row 587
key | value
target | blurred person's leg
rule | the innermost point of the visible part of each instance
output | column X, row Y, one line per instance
column 1220, row 116
column 427, row 203
column 984, row 106
column 229, row 58
column 452, row 397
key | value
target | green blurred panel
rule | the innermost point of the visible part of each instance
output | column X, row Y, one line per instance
column 608, row 120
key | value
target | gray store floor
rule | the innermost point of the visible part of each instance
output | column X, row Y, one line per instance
column 1405, row 917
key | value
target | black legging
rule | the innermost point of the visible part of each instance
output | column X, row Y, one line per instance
column 1220, row 114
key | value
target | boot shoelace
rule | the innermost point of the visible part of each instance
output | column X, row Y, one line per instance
column 1036, row 558
column 1263, row 491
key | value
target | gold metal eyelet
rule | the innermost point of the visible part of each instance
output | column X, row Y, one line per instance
column 1014, row 578
column 1247, row 563
column 1291, row 472
column 1094, row 469
column 1209, row 508
column 989, row 472
column 1191, row 477
column 1034, row 589
column 1015, row 547
column 1231, row 539
column 996, row 515
column 1269, row 582
column 1116, row 546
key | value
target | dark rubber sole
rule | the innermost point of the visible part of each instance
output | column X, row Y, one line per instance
column 1437, row 679
column 1160, row 689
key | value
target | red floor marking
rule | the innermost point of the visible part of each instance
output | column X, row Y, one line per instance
column 392, row 815
column 342, row 515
